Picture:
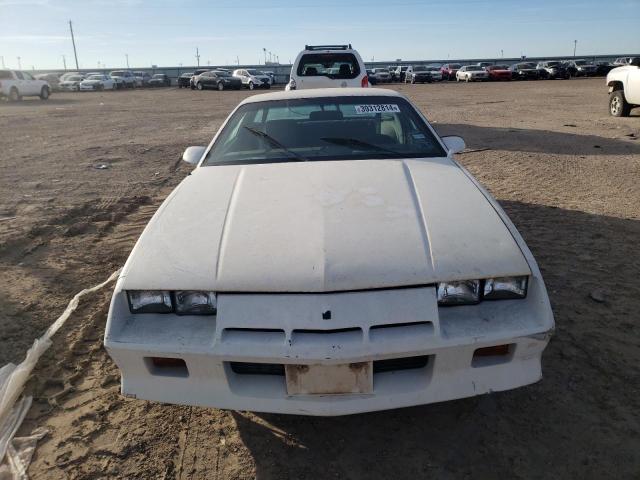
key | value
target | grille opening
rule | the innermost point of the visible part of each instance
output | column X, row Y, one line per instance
column 327, row 338
column 398, row 325
column 400, row 332
column 379, row 366
column 167, row 367
column 329, row 332
column 247, row 368
column 495, row 355
column 395, row 364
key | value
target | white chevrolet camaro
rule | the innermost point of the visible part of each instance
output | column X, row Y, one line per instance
column 327, row 256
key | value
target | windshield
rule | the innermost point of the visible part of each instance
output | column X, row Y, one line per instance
column 75, row 78
column 455, row 65
column 553, row 64
column 580, row 62
column 474, row 68
column 222, row 74
column 330, row 128
column 117, row 73
column 158, row 75
column 94, row 77
column 254, row 72
column 332, row 65
column 420, row 68
column 190, row 74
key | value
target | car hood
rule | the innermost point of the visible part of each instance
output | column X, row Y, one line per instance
column 323, row 226
column 91, row 82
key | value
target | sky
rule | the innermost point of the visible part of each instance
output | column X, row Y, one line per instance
column 167, row 32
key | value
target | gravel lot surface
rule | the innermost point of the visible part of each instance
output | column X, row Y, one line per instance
column 566, row 172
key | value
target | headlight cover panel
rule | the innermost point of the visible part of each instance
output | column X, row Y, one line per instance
column 464, row 292
column 149, row 301
column 193, row 302
column 505, row 288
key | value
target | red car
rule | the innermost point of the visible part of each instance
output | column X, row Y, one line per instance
column 498, row 72
column 449, row 70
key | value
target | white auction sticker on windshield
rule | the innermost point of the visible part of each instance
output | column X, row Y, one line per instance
column 377, row 108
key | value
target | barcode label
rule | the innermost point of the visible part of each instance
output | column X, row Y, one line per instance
column 377, row 108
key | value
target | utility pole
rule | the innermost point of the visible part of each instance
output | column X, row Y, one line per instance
column 238, row 60
column 575, row 45
column 19, row 64
column 127, row 57
column 73, row 40
column 265, row 55
column 501, row 53
column 2, row 58
column 64, row 62
column 198, row 56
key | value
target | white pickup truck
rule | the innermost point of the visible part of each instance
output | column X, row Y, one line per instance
column 624, row 88
column 15, row 84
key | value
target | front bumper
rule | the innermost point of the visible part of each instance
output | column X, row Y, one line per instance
column 89, row 87
column 370, row 327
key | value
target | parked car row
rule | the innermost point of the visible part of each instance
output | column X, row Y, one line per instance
column 76, row 81
column 484, row 71
column 223, row 79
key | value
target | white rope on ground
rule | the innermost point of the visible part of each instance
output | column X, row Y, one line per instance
column 13, row 377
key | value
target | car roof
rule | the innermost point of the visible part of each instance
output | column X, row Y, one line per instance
column 323, row 92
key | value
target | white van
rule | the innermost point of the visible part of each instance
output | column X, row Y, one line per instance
column 327, row 66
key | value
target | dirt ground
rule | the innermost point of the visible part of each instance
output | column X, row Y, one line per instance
column 566, row 172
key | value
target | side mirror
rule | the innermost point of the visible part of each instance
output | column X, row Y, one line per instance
column 454, row 144
column 193, row 155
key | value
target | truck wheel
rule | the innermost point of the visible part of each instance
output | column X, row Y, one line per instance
column 220, row 86
column 44, row 93
column 14, row 95
column 618, row 106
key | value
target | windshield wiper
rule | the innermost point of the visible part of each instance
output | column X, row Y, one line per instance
column 275, row 143
column 360, row 145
